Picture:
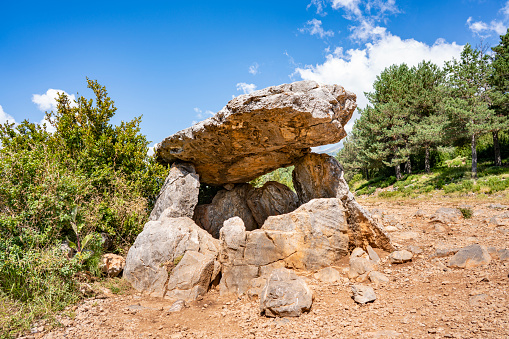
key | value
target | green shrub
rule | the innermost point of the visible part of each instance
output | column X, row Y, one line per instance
column 466, row 212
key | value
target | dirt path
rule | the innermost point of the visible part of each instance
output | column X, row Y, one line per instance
column 424, row 298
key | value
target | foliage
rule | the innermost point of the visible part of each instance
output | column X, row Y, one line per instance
column 282, row 175
column 87, row 177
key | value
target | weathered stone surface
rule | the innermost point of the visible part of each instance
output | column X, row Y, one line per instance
column 192, row 276
column 311, row 237
column 446, row 215
column 372, row 254
column 321, row 176
column 177, row 306
column 112, row 264
column 179, row 194
column 285, row 295
column 358, row 252
column 273, row 198
column 262, row 131
column 378, row 278
column 328, row 275
column 225, row 205
column 252, row 205
column 470, row 256
column 360, row 266
column 363, row 294
column 163, row 243
column 400, row 257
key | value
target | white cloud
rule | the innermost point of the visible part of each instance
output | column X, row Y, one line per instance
column 350, row 6
column 253, row 69
column 151, row 150
column 246, row 88
column 505, row 9
column 319, row 6
column 314, row 27
column 367, row 31
column 357, row 69
column 47, row 101
column 4, row 117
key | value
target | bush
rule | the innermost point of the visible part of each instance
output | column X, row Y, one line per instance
column 86, row 178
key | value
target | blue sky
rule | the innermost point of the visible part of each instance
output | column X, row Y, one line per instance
column 175, row 62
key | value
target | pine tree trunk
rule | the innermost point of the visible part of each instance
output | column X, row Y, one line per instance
column 496, row 148
column 398, row 172
column 426, row 160
column 474, row 157
column 408, row 167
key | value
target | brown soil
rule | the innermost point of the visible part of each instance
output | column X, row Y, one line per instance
column 424, row 298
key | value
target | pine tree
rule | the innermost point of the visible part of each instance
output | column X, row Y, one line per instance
column 499, row 94
column 425, row 99
column 466, row 100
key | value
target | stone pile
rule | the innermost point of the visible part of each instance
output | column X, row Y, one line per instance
column 244, row 238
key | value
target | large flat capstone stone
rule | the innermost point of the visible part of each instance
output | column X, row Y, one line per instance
column 259, row 132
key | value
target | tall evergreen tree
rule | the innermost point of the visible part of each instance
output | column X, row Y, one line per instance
column 499, row 81
column 466, row 98
column 425, row 98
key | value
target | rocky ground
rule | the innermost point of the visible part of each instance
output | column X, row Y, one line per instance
column 423, row 299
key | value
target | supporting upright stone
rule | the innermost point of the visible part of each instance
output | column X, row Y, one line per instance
column 321, row 176
column 179, row 194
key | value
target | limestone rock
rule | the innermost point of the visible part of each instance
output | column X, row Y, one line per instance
column 328, row 275
column 112, row 264
column 378, row 278
column 273, row 198
column 312, row 237
column 360, row 266
column 262, row 131
column 225, row 205
column 358, row 252
column 191, row 277
column 470, row 256
column 321, row 176
column 158, row 249
column 372, row 254
column 446, row 215
column 177, row 306
column 252, row 205
column 363, row 294
column 179, row 194
column 285, row 295
column 400, row 257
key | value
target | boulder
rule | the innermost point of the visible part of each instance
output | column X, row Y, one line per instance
column 360, row 266
column 112, row 264
column 259, row 132
column 161, row 246
column 372, row 254
column 378, row 278
column 285, row 295
column 252, row 205
column 192, row 276
column 312, row 237
column 363, row 294
column 327, row 275
column 470, row 257
column 273, row 198
column 446, row 215
column 321, row 176
column 226, row 204
column 400, row 257
column 179, row 194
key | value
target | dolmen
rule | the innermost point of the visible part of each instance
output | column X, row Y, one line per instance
column 244, row 236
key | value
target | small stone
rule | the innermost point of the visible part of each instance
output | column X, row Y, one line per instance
column 328, row 275
column 177, row 306
column 378, row 278
column 357, row 252
column 399, row 257
column 359, row 266
column 414, row 249
column 363, row 294
column 478, row 299
column 372, row 254
column 470, row 257
column 445, row 252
